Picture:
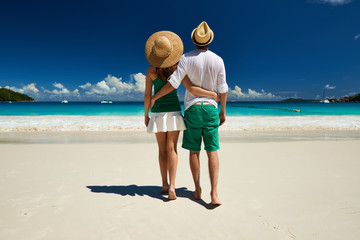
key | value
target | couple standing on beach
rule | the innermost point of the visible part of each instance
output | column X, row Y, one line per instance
column 202, row 72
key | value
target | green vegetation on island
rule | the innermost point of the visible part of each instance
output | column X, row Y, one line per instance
column 299, row 100
column 355, row 98
column 9, row 95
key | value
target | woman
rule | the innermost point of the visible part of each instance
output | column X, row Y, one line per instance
column 163, row 50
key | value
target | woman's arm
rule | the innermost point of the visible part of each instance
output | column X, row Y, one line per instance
column 198, row 91
column 150, row 73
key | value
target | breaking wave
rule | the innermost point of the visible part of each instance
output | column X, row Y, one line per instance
column 136, row 123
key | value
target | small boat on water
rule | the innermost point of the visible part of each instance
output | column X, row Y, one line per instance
column 325, row 101
column 64, row 101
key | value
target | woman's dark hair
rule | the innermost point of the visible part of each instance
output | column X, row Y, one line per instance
column 165, row 73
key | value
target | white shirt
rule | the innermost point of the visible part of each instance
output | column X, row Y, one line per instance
column 205, row 69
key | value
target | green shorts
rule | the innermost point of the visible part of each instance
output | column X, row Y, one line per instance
column 202, row 122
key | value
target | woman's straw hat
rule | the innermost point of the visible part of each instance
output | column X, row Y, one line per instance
column 202, row 35
column 163, row 49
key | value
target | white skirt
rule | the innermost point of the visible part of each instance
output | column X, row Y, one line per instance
column 166, row 122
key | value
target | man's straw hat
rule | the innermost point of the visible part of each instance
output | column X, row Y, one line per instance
column 202, row 35
column 163, row 49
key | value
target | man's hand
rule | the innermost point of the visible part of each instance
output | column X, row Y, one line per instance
column 147, row 119
column 222, row 118
column 152, row 102
column 215, row 96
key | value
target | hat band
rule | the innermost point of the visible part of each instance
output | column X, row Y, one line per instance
column 197, row 43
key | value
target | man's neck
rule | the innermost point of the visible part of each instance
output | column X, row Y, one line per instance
column 202, row 47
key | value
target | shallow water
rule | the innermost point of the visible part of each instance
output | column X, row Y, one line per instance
column 137, row 109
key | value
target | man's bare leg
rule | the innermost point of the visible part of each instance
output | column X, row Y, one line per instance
column 195, row 170
column 172, row 138
column 214, row 174
column 163, row 159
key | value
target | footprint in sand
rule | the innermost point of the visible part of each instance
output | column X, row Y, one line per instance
column 24, row 215
column 286, row 234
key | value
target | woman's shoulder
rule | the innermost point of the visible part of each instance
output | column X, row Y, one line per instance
column 152, row 72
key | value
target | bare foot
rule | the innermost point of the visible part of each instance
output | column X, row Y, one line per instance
column 172, row 194
column 165, row 189
column 197, row 194
column 215, row 199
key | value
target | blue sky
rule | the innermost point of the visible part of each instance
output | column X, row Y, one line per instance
column 89, row 50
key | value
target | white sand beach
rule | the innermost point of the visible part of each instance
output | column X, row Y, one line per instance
column 270, row 190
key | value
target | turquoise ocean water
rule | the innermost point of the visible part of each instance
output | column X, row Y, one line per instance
column 137, row 109
column 251, row 121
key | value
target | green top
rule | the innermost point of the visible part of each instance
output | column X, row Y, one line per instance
column 167, row 103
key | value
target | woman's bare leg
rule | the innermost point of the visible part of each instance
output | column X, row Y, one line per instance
column 161, row 138
column 171, row 143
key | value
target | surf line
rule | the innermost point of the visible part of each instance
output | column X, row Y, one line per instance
column 278, row 108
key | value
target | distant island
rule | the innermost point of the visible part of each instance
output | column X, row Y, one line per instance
column 355, row 98
column 299, row 100
column 7, row 95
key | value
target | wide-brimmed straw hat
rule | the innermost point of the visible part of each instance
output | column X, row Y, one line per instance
column 202, row 35
column 163, row 49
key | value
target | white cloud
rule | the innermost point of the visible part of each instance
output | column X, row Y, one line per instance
column 116, row 89
column 85, row 86
column 139, row 81
column 103, row 88
column 333, row 2
column 28, row 89
column 110, row 87
column 58, row 85
column 57, row 94
column 251, row 95
column 63, row 91
column 357, row 37
column 327, row 86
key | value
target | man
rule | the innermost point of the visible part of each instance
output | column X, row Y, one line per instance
column 206, row 70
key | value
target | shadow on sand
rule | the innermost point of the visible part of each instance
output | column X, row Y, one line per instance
column 151, row 191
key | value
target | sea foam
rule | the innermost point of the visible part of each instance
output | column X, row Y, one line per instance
column 136, row 123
